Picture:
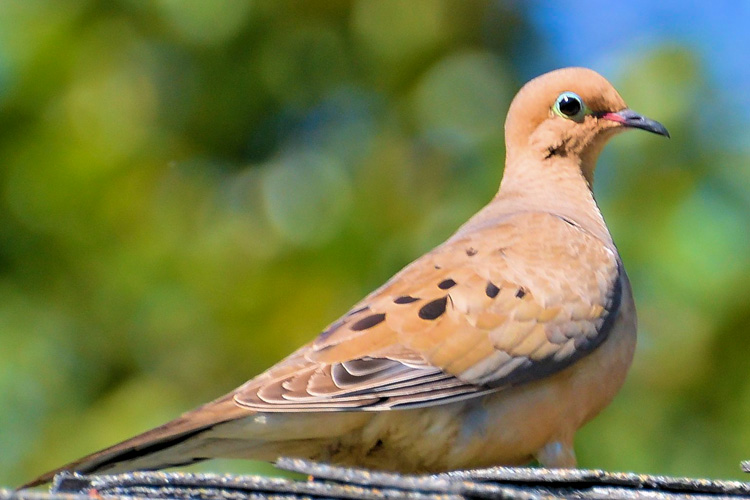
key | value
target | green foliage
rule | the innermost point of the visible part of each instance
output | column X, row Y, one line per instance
column 191, row 190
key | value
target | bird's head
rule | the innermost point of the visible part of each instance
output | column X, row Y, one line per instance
column 569, row 113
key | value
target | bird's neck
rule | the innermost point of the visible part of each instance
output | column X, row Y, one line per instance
column 555, row 185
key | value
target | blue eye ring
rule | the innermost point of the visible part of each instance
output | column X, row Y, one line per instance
column 569, row 105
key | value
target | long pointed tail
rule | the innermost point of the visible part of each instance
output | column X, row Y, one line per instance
column 168, row 445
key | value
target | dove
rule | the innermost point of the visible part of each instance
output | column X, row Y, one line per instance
column 492, row 349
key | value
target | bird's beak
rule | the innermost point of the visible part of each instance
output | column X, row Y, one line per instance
column 630, row 118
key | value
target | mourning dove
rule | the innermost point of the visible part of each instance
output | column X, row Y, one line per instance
column 493, row 348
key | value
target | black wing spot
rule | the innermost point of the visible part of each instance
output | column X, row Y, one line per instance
column 471, row 251
column 446, row 284
column 568, row 221
column 328, row 331
column 405, row 299
column 357, row 311
column 368, row 322
column 434, row 309
column 520, row 293
column 492, row 290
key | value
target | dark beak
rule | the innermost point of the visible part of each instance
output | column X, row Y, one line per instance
column 630, row 118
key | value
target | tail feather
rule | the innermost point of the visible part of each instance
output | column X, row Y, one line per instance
column 158, row 447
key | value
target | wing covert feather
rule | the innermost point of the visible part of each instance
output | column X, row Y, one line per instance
column 482, row 311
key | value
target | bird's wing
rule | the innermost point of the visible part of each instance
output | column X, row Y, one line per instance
column 499, row 306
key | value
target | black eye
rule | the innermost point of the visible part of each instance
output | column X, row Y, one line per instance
column 570, row 105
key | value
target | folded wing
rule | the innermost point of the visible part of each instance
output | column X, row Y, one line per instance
column 483, row 311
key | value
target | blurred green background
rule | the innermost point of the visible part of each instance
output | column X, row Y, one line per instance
column 190, row 190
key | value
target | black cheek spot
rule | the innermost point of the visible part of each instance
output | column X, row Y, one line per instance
column 520, row 293
column 405, row 299
column 557, row 150
column 492, row 290
column 368, row 322
column 471, row 251
column 434, row 309
column 446, row 284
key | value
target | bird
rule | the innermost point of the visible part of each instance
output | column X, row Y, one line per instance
column 493, row 348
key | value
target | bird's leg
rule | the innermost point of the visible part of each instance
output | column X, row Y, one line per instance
column 557, row 455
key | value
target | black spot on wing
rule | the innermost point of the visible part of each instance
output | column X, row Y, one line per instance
column 446, row 284
column 368, row 322
column 332, row 328
column 568, row 221
column 357, row 311
column 434, row 309
column 492, row 290
column 339, row 323
column 405, row 299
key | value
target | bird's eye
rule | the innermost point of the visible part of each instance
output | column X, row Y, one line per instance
column 570, row 105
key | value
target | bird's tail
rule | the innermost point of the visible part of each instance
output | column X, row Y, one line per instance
column 173, row 444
